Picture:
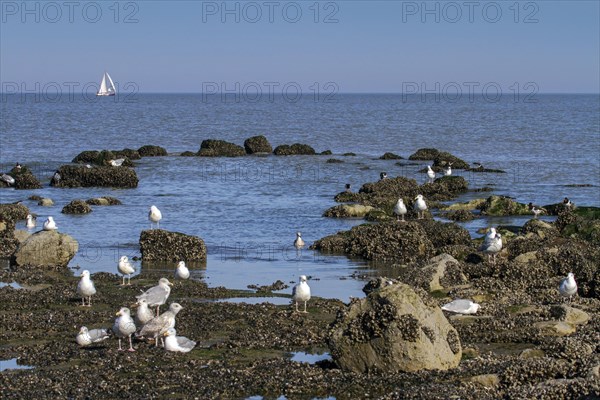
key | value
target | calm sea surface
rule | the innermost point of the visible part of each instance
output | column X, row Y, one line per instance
column 248, row 209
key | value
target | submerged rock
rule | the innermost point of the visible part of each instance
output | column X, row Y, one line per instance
column 152, row 151
column 104, row 201
column 348, row 211
column 294, row 150
column 220, row 148
column 80, row 176
column 393, row 330
column 257, row 144
column 77, row 207
column 46, row 248
column 443, row 159
column 390, row 156
column 162, row 245
column 45, row 202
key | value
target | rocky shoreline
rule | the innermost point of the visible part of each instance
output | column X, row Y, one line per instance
column 526, row 341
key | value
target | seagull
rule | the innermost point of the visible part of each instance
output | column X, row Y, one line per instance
column 490, row 235
column 461, row 306
column 382, row 176
column 55, row 178
column 430, row 174
column 10, row 181
column 154, row 215
column 182, row 272
column 86, row 288
column 298, row 243
column 177, row 343
column 30, row 221
column 125, row 268
column 143, row 315
column 348, row 188
column 18, row 167
column 116, row 163
column 535, row 210
column 301, row 292
column 159, row 325
column 448, row 170
column 157, row 295
column 568, row 203
column 492, row 247
column 420, row 206
column 86, row 337
column 400, row 209
column 568, row 286
column 124, row 326
column 50, row 225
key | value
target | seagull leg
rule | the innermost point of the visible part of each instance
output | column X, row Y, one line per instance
column 157, row 307
column 297, row 307
column 403, row 218
column 130, row 345
column 83, row 301
column 305, row 312
column 120, row 349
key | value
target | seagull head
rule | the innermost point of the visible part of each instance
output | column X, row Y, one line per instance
column 85, row 273
column 170, row 332
column 303, row 278
column 83, row 330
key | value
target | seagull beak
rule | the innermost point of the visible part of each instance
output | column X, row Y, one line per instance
column 118, row 313
column 166, row 334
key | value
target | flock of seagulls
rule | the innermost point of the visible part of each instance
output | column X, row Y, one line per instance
column 492, row 244
column 420, row 207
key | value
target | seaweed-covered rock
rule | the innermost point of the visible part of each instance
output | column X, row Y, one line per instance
column 390, row 156
column 348, row 211
column 24, row 179
column 445, row 188
column 439, row 272
column 77, row 207
column 80, row 176
column 162, row 245
column 583, row 223
column 386, row 192
column 443, row 159
column 188, row 154
column 257, row 144
column 460, row 215
column 393, row 330
column 13, row 212
column 104, row 201
column 102, row 158
column 127, row 153
column 9, row 214
column 475, row 204
column 349, row 154
column 46, row 248
column 500, row 205
column 393, row 241
column 86, row 157
column 220, row 148
column 152, row 151
column 294, row 150
column 445, row 234
column 326, row 153
column 424, row 154
column 348, row 197
column 540, row 228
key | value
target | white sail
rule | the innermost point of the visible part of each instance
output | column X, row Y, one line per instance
column 106, row 90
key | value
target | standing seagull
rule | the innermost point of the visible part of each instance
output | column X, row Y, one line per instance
column 448, row 170
column 420, row 206
column 298, row 243
column 492, row 246
column 157, row 295
column 124, row 327
column 159, row 325
column 30, row 221
column 50, row 225
column 86, row 337
column 301, row 292
column 154, row 215
column 430, row 174
column 55, row 179
column 568, row 286
column 568, row 203
column 143, row 315
column 182, row 272
column 177, row 343
column 125, row 268
column 400, row 210
column 382, row 176
column 490, row 234
column 86, row 288
column 535, row 210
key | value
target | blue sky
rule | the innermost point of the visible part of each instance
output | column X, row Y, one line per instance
column 361, row 46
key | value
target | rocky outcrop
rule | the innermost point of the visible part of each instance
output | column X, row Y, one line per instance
column 501, row 205
column 188, row 154
column 424, row 154
column 152, row 151
column 390, row 156
column 104, row 157
column 393, row 330
column 80, row 176
column 77, row 207
column 445, row 188
column 440, row 272
column 443, row 159
column 104, row 201
column 582, row 223
column 46, row 248
column 9, row 214
column 45, row 202
column 24, row 179
column 257, row 144
column 13, row 212
column 348, row 211
column 296, row 149
column 220, row 148
column 162, row 245
column 460, row 215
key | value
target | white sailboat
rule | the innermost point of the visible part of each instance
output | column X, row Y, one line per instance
column 107, row 87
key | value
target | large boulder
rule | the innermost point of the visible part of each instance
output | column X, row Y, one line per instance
column 24, row 179
column 393, row 330
column 257, row 144
column 162, row 245
column 445, row 188
column 296, row 149
column 501, row 205
column 424, row 154
column 46, row 248
column 152, row 151
column 81, row 176
column 220, row 148
column 440, row 272
column 104, row 157
column 77, row 207
column 443, row 159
